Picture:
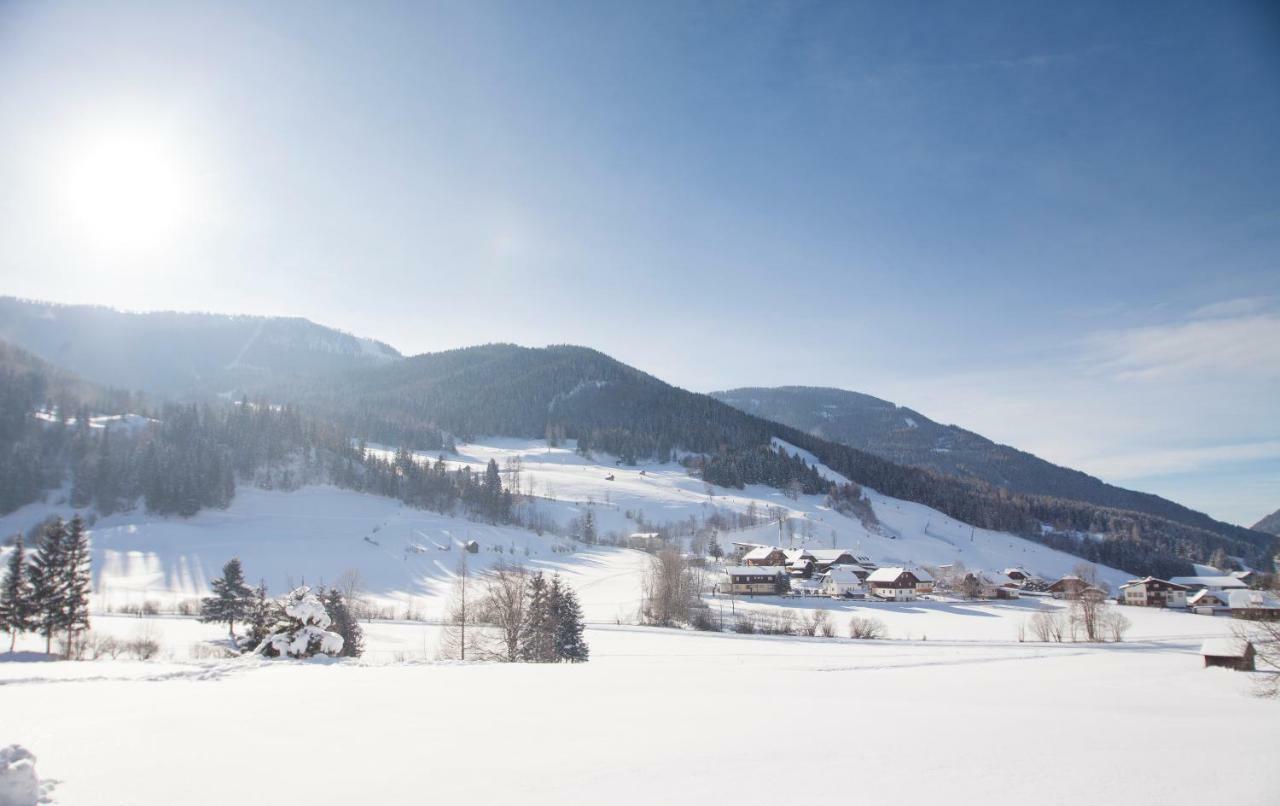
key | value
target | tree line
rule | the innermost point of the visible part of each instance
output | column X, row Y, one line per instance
column 48, row 592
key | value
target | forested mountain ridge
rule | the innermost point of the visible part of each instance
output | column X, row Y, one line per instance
column 908, row 437
column 1269, row 524
column 167, row 353
column 579, row 393
column 317, row 415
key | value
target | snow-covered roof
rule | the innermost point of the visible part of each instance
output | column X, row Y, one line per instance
column 753, row 570
column 830, row 554
column 1135, row 582
column 1248, row 599
column 921, row 574
column 759, row 553
column 1209, row 582
column 843, row 575
column 1224, row 647
column 1201, row 597
column 793, row 555
column 886, row 574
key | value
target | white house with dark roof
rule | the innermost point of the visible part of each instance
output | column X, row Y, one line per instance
column 893, row 583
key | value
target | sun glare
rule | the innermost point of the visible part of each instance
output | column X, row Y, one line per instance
column 125, row 190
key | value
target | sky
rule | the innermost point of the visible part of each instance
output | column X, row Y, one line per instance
column 1057, row 225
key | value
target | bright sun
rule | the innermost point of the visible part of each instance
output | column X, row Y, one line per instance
column 126, row 190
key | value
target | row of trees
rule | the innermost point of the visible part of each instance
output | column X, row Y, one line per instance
column 298, row 625
column 48, row 593
column 517, row 616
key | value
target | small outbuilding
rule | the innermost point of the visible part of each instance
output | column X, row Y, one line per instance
column 1229, row 652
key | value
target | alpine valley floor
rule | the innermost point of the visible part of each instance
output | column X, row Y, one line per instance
column 656, row 716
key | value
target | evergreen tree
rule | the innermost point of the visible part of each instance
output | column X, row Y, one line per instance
column 344, row 623
column 16, row 610
column 261, row 618
column 589, row 528
column 714, row 548
column 231, row 600
column 77, row 580
column 304, row 631
column 537, row 636
column 569, row 643
column 47, row 574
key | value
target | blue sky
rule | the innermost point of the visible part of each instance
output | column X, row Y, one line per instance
column 1055, row 224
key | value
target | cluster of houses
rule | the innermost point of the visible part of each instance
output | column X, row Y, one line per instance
column 840, row 573
column 1206, row 595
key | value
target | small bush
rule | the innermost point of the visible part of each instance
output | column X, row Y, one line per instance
column 862, row 628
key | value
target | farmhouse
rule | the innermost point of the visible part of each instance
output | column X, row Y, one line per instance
column 1219, row 583
column 1229, row 652
column 1205, row 602
column 823, row 559
column 1073, row 587
column 1068, row 587
column 1152, row 592
column 1253, row 605
column 765, row 555
column 893, row 583
column 843, row 581
column 754, row 580
column 924, row 582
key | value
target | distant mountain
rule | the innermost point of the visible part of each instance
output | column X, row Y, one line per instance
column 340, row 388
column 167, row 353
column 908, row 437
column 1269, row 524
column 579, row 393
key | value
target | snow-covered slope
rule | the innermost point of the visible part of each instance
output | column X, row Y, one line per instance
column 406, row 557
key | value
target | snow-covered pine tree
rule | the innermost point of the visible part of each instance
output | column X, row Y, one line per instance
column 344, row 623
column 305, row 632
column 231, row 599
column 569, row 643
column 261, row 618
column 537, row 638
column 16, row 606
column 47, row 574
column 589, row 528
column 77, row 580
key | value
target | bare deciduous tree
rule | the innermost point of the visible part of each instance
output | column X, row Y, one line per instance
column 670, row 589
column 865, row 628
column 501, row 608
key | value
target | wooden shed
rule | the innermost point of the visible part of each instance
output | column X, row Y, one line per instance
column 1230, row 653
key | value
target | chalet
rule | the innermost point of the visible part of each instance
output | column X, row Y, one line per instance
column 1228, row 652
column 842, row 581
column 825, row 558
column 755, row 580
column 1254, row 605
column 799, row 563
column 1073, row 587
column 1020, row 575
column 765, row 555
column 1205, row 602
column 1218, row 583
column 893, row 583
column 1152, row 592
column 993, row 585
column 924, row 582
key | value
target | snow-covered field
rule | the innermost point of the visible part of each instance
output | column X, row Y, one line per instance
column 951, row 708
column 655, row 716
column 405, row 557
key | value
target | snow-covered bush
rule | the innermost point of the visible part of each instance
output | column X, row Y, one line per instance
column 305, row 632
column 19, row 785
